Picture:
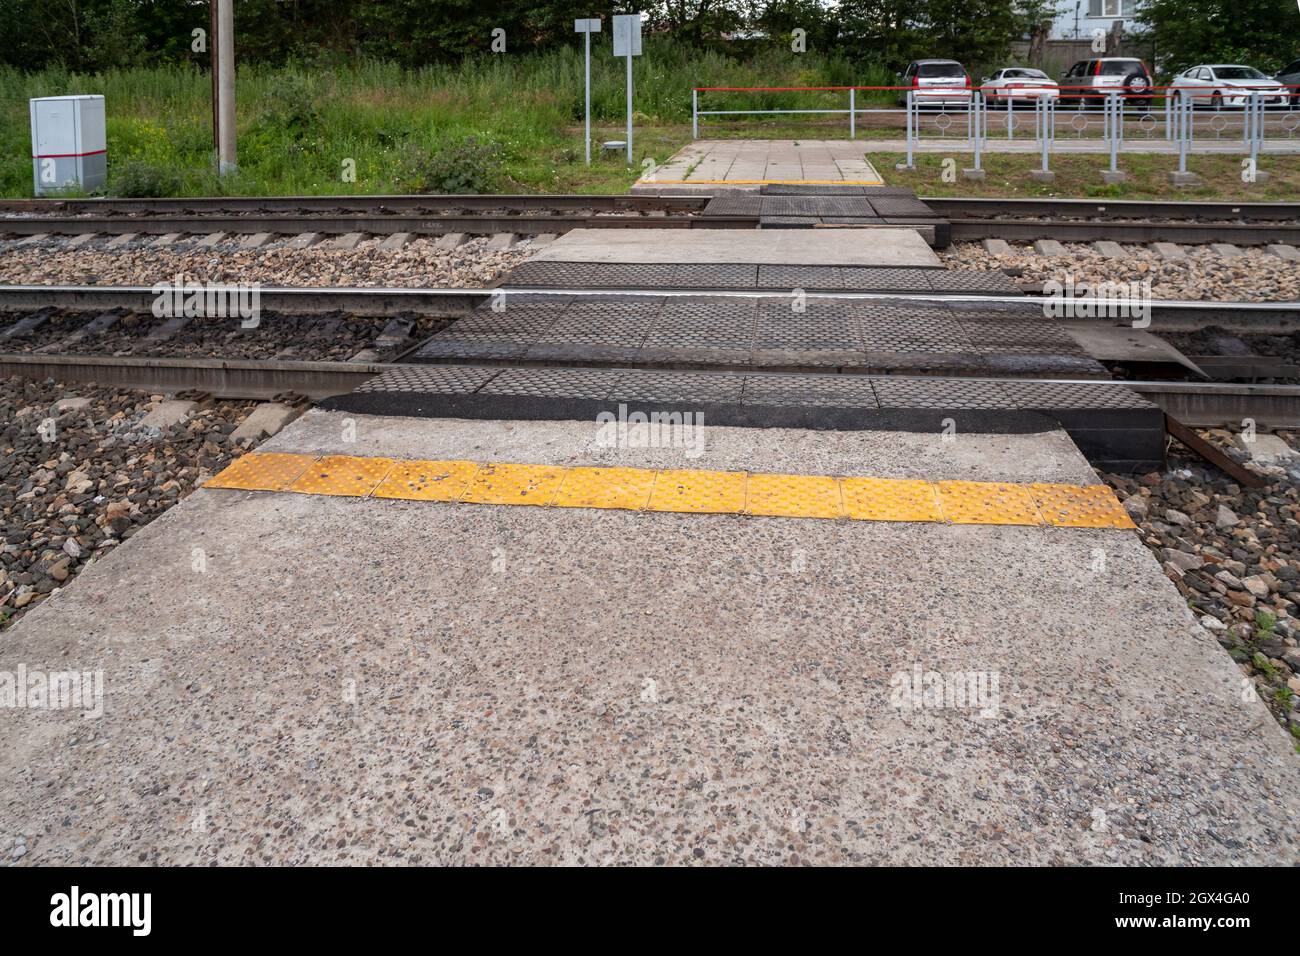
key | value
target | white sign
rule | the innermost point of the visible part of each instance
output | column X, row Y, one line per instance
column 627, row 35
column 587, row 27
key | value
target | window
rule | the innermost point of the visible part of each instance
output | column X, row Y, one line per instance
column 1239, row 73
column 930, row 70
column 1112, row 9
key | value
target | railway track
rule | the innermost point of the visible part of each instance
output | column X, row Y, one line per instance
column 1081, row 220
column 1171, row 315
column 1197, row 404
column 1244, row 223
column 401, row 318
column 379, row 215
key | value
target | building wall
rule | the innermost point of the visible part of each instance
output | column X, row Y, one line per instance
column 1076, row 19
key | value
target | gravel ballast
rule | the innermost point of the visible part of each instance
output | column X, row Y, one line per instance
column 1255, row 276
column 80, row 473
column 1234, row 554
column 141, row 262
column 331, row 336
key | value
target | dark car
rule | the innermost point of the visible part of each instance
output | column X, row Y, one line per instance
column 1087, row 83
column 938, row 83
column 1289, row 75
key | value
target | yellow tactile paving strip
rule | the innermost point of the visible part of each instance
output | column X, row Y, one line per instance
column 680, row 491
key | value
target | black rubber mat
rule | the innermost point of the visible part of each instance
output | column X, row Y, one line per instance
column 740, row 276
column 792, row 332
column 1116, row 428
column 794, row 204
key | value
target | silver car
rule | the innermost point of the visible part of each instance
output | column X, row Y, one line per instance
column 1019, row 84
column 1223, row 85
column 935, row 83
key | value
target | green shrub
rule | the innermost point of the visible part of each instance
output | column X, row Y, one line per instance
column 137, row 180
column 474, row 166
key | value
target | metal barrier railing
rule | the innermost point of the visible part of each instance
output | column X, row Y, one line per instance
column 1105, row 115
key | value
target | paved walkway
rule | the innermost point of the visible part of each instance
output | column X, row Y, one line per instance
column 741, row 162
column 748, row 164
column 346, row 679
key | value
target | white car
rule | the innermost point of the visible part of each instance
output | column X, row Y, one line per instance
column 1019, row 84
column 1228, row 85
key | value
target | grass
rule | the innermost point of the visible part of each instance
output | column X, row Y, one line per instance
column 1080, row 176
column 298, row 125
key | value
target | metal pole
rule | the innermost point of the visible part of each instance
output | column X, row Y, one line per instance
column 1115, row 121
column 587, row 35
column 853, row 117
column 212, row 62
column 909, row 129
column 1045, row 139
column 695, row 114
column 226, row 155
column 978, row 103
column 1184, row 128
column 629, row 105
column 1256, row 118
column 1010, row 133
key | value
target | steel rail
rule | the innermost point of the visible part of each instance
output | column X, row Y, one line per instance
column 371, row 204
column 1168, row 314
column 1124, row 230
column 1113, row 209
column 223, row 378
column 1199, row 404
column 371, row 224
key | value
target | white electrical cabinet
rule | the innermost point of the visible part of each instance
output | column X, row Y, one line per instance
column 69, row 149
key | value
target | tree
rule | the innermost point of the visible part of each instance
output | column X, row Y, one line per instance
column 1258, row 32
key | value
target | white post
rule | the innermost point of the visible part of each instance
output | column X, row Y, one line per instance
column 587, row 38
column 627, row 42
column 587, row 27
column 695, row 114
column 853, row 114
column 226, row 156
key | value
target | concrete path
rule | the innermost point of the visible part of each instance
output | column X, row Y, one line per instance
column 828, row 247
column 293, row 679
column 748, row 164
column 753, row 162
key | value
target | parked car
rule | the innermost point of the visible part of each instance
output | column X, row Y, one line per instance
column 935, row 83
column 1290, row 76
column 1088, row 81
column 1222, row 85
column 1019, row 84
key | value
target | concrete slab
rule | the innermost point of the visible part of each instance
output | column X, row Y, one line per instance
column 1169, row 251
column 168, row 412
column 749, row 164
column 831, row 247
column 347, row 241
column 265, row 420
column 368, row 681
